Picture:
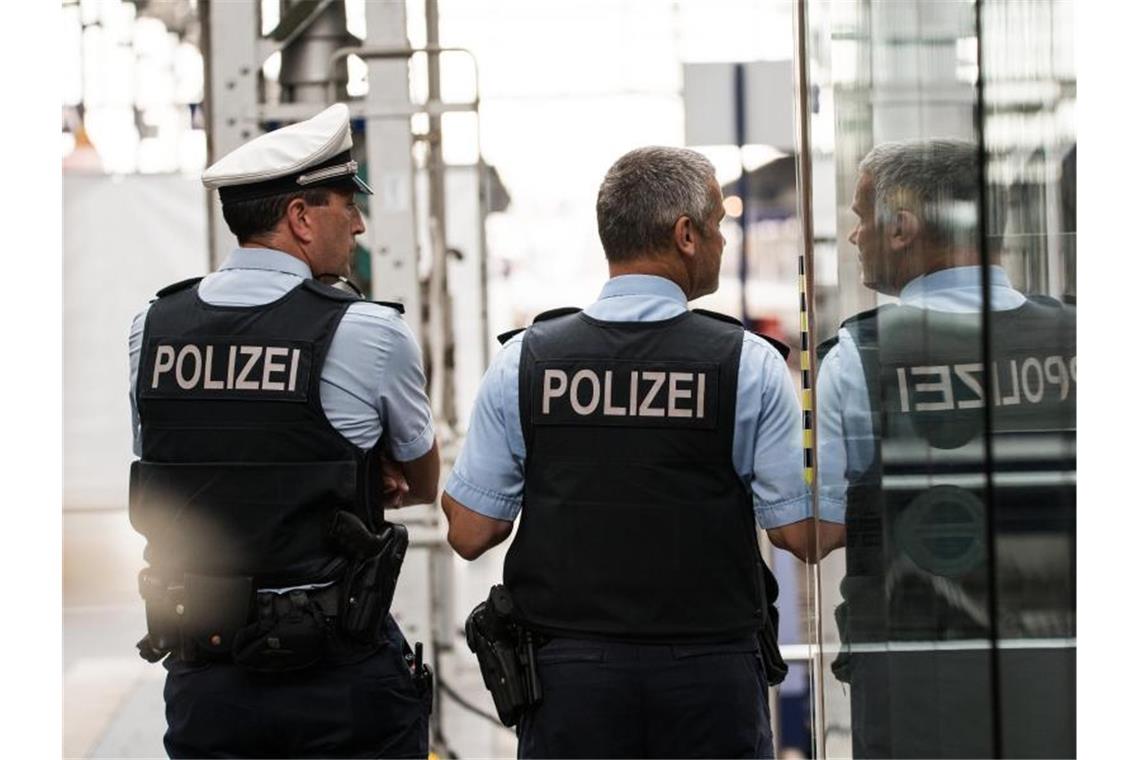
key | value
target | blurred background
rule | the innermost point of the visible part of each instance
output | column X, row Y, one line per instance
column 485, row 127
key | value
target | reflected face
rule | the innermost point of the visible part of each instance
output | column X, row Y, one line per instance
column 710, row 249
column 874, row 254
column 335, row 227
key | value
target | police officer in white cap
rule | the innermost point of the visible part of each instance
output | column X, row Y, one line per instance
column 275, row 418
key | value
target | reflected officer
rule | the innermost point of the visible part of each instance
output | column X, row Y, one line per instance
column 275, row 417
column 902, row 396
column 640, row 442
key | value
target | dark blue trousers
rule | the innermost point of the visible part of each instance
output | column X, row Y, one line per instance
column 367, row 708
column 618, row 700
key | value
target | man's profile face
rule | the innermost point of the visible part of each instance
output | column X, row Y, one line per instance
column 874, row 258
column 336, row 226
column 710, row 248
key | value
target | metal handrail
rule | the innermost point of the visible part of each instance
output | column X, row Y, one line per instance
column 373, row 51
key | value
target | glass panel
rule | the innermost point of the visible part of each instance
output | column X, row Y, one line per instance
column 943, row 297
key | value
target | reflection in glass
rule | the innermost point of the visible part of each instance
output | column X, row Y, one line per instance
column 946, row 395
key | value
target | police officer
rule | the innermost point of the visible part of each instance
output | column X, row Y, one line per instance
column 274, row 415
column 640, row 441
column 903, row 394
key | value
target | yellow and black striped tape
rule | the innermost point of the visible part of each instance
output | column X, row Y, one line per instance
column 805, row 378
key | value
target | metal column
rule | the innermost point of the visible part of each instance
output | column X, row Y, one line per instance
column 230, row 32
column 391, row 219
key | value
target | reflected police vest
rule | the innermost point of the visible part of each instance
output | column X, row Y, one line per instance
column 635, row 524
column 917, row 523
column 241, row 472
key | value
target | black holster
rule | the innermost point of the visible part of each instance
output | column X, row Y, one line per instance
column 506, row 655
column 369, row 583
column 775, row 668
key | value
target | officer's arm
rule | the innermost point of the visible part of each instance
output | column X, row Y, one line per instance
column 470, row 533
column 422, row 475
column 799, row 538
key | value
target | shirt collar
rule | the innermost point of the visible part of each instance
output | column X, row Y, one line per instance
column 267, row 259
column 954, row 278
column 643, row 285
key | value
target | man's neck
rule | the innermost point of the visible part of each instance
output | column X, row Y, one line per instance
column 652, row 266
column 275, row 243
column 939, row 260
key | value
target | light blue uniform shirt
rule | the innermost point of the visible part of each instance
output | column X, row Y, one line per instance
column 767, row 441
column 372, row 381
column 846, row 444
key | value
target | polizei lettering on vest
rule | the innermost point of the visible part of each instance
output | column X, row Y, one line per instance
column 205, row 369
column 1025, row 380
column 613, row 391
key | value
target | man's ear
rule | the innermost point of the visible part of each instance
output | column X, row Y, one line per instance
column 685, row 235
column 297, row 217
column 903, row 230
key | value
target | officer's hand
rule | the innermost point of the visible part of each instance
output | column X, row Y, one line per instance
column 393, row 484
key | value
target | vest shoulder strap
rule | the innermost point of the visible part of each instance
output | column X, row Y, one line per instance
column 778, row 345
column 177, row 287
column 824, row 348
column 399, row 307
column 544, row 316
column 337, row 294
column 504, row 337
column 328, row 291
column 556, row 313
column 718, row 316
column 851, row 322
column 1045, row 300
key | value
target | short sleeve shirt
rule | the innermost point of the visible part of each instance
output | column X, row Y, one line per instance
column 767, row 448
column 372, row 381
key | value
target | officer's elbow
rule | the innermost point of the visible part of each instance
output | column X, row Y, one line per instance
column 470, row 533
column 809, row 540
column 797, row 538
column 469, row 551
column 471, row 544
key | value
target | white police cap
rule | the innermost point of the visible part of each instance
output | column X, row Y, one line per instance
column 311, row 153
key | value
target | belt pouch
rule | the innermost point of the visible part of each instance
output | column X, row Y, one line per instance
column 161, row 619
column 214, row 609
column 290, row 633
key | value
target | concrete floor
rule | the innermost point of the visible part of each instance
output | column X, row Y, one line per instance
column 113, row 703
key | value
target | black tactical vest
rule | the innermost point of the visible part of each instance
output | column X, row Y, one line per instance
column 634, row 523
column 922, row 521
column 241, row 472
column 918, row 565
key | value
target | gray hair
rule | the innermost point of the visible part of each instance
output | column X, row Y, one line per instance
column 645, row 192
column 935, row 179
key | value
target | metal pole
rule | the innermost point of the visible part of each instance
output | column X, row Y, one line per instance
column 988, row 409
column 229, row 35
column 807, row 347
column 739, row 118
column 391, row 232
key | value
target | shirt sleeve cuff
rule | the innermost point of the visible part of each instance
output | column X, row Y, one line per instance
column 832, row 510
column 783, row 512
column 416, row 448
column 487, row 503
